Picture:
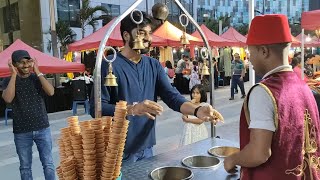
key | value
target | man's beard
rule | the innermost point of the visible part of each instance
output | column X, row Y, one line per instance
column 142, row 51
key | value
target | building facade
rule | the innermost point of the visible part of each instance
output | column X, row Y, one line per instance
column 29, row 20
column 238, row 9
column 314, row 5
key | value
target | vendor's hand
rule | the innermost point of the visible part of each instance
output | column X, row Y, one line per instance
column 229, row 165
column 148, row 108
column 13, row 69
column 34, row 65
column 207, row 113
column 185, row 118
column 241, row 78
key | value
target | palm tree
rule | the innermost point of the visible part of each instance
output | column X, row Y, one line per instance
column 242, row 28
column 213, row 24
column 86, row 15
column 65, row 35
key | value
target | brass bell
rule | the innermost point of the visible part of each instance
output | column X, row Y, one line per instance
column 205, row 70
column 110, row 79
column 160, row 11
column 317, row 31
column 183, row 39
column 138, row 44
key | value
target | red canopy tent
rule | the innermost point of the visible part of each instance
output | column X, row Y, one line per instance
column 234, row 35
column 310, row 20
column 47, row 64
column 295, row 42
column 172, row 35
column 93, row 41
column 312, row 43
column 213, row 38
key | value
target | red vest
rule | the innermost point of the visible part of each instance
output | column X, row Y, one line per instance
column 296, row 141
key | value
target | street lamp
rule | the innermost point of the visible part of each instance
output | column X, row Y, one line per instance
column 308, row 38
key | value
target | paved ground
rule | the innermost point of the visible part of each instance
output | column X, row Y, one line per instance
column 169, row 128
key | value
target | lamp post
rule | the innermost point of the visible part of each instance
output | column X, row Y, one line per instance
column 54, row 38
column 252, row 78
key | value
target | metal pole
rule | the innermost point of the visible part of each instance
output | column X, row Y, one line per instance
column 147, row 7
column 97, row 74
column 54, row 39
column 251, row 71
column 213, row 131
column 302, row 54
column 264, row 8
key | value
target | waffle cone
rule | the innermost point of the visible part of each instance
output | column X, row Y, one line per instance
column 218, row 115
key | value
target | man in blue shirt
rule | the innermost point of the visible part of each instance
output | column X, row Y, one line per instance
column 140, row 80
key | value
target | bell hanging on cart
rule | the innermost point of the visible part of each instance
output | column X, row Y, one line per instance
column 183, row 39
column 160, row 11
column 138, row 44
column 317, row 31
column 110, row 79
column 205, row 70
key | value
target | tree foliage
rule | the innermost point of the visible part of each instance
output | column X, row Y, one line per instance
column 86, row 15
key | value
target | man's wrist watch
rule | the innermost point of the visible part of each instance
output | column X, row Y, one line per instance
column 40, row 74
column 196, row 111
column 132, row 110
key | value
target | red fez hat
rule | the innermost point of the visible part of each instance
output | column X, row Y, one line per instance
column 269, row 29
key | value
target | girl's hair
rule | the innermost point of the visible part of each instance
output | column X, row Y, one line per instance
column 202, row 91
column 168, row 64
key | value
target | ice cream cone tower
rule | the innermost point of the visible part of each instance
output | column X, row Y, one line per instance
column 112, row 162
column 93, row 150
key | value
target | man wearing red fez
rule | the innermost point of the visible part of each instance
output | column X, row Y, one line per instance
column 279, row 122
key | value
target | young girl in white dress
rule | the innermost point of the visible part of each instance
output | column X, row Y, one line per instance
column 194, row 129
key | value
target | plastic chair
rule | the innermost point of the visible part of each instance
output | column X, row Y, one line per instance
column 220, row 79
column 80, row 96
column 75, row 106
column 7, row 110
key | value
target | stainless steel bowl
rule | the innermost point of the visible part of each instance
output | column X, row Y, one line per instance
column 171, row 173
column 201, row 162
column 223, row 151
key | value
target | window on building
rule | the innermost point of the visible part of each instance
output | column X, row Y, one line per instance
column 113, row 11
column 11, row 19
column 68, row 11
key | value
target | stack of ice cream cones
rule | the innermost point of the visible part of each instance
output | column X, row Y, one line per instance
column 106, row 122
column 65, row 136
column 73, row 123
column 62, row 151
column 112, row 162
column 60, row 173
column 89, row 151
column 93, row 150
column 100, row 146
column 69, row 169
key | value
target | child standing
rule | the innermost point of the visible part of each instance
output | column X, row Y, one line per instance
column 194, row 128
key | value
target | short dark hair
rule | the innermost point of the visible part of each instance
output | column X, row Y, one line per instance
column 185, row 56
column 295, row 61
column 128, row 25
column 168, row 64
column 202, row 91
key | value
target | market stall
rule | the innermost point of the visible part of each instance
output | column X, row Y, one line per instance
column 92, row 41
column 62, row 98
column 47, row 64
column 213, row 38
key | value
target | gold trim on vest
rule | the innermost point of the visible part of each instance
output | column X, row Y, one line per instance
column 309, row 148
column 276, row 116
